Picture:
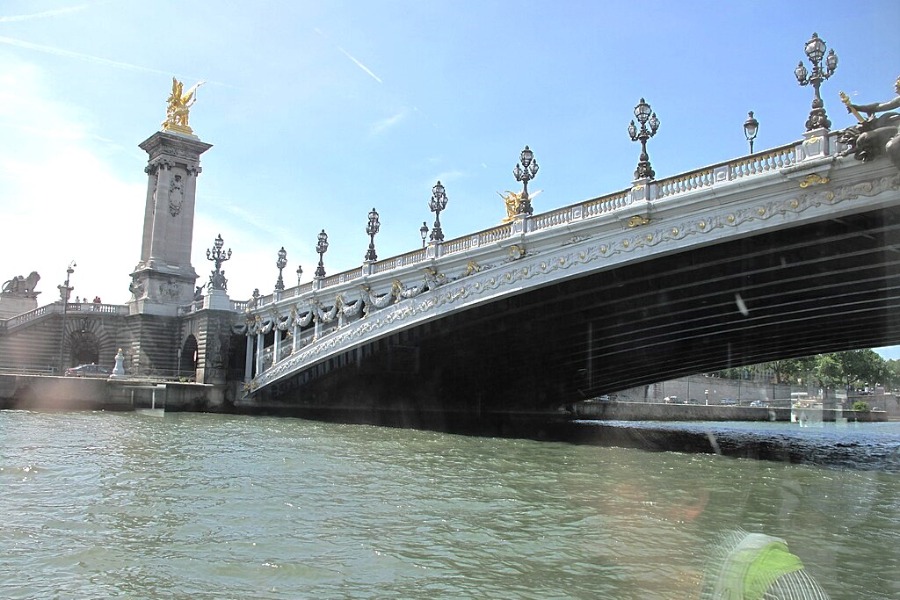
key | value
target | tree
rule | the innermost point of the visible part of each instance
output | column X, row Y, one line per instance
column 828, row 371
column 861, row 367
column 891, row 379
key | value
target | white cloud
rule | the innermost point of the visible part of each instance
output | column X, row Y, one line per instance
column 383, row 125
column 59, row 200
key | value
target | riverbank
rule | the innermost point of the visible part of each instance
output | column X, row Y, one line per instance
column 42, row 392
column 650, row 411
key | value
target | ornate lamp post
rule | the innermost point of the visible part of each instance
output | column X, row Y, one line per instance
column 281, row 263
column 217, row 279
column 437, row 203
column 299, row 274
column 645, row 116
column 423, row 231
column 526, row 170
column 372, row 228
column 321, row 248
column 815, row 50
column 64, row 291
column 751, row 128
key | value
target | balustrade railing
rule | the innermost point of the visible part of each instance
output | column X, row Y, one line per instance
column 551, row 219
column 396, row 262
column 495, row 234
column 763, row 162
column 685, row 183
column 743, row 167
column 604, row 204
column 31, row 315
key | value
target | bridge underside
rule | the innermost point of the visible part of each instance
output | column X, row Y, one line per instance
column 820, row 288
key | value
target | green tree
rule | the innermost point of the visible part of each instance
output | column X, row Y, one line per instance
column 861, row 367
column 891, row 374
column 828, row 371
column 789, row 370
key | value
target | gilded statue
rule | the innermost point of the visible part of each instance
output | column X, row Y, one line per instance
column 874, row 135
column 513, row 201
column 178, row 107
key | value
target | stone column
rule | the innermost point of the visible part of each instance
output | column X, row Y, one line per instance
column 260, row 339
column 164, row 278
column 276, row 346
column 248, row 360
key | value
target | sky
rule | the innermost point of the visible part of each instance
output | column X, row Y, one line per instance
column 319, row 111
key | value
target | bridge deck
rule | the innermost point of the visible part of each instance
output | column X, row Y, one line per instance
column 757, row 259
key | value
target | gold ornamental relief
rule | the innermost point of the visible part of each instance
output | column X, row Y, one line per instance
column 637, row 220
column 813, row 179
column 178, row 108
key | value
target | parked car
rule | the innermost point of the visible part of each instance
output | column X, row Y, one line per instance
column 728, row 401
column 90, row 370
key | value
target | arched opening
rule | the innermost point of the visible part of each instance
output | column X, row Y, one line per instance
column 84, row 348
column 187, row 358
column 237, row 354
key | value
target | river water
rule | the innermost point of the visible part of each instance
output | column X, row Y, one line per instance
column 99, row 505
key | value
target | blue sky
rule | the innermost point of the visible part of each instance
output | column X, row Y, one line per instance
column 319, row 111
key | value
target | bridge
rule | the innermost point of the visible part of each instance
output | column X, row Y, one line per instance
column 788, row 252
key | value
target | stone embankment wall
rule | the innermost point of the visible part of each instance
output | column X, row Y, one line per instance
column 642, row 411
column 31, row 392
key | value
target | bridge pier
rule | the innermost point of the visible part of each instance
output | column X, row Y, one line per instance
column 248, row 360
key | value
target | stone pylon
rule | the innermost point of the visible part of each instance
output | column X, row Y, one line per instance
column 164, row 278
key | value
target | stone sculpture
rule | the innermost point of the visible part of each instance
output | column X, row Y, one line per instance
column 22, row 287
column 874, row 135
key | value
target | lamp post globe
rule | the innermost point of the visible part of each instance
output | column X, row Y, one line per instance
column 64, row 291
column 525, row 170
column 281, row 263
column 815, row 51
column 437, row 203
column 372, row 227
column 217, row 279
column 321, row 248
column 645, row 116
column 751, row 128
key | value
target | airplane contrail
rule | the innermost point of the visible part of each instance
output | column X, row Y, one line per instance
column 42, row 15
column 360, row 65
column 93, row 59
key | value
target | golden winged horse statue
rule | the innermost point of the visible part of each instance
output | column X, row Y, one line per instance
column 178, row 107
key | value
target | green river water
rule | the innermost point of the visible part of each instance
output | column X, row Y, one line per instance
column 101, row 505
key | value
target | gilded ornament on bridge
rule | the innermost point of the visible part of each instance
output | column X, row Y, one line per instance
column 637, row 220
column 813, row 179
column 513, row 202
column 516, row 251
column 178, row 108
